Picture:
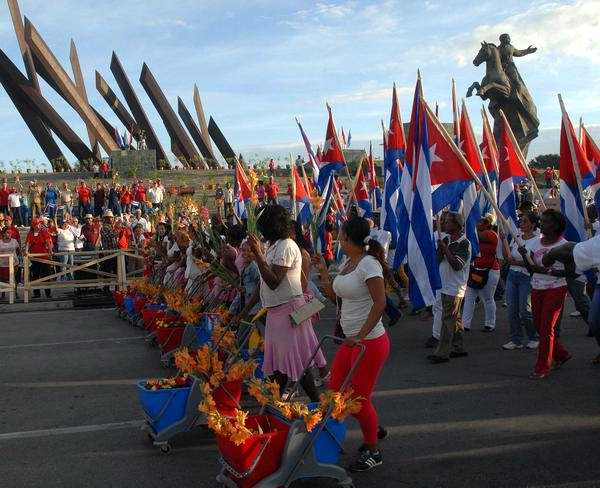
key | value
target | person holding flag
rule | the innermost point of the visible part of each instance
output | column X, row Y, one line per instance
column 453, row 257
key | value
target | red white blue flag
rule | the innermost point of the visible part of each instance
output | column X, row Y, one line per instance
column 592, row 154
column 572, row 154
column 361, row 193
column 332, row 158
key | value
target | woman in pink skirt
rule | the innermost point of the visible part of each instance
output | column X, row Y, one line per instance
column 288, row 347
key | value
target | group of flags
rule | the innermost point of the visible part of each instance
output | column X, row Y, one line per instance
column 428, row 171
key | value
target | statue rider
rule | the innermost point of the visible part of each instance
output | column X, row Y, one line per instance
column 519, row 89
column 507, row 51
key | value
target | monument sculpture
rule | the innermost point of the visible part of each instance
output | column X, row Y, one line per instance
column 503, row 86
column 45, row 123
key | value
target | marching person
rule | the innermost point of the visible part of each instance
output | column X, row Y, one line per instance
column 361, row 287
column 288, row 347
column 585, row 256
column 548, row 291
column 518, row 287
column 485, row 274
column 453, row 255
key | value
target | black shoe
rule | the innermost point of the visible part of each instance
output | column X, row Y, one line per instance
column 459, row 354
column 48, row 294
column 367, row 460
column 431, row 342
column 36, row 294
column 437, row 360
column 381, row 434
column 487, row 328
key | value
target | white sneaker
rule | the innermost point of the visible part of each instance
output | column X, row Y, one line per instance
column 511, row 346
column 532, row 344
column 576, row 313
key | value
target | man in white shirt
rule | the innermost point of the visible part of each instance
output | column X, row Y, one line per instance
column 14, row 203
column 156, row 195
column 138, row 219
column 228, row 197
column 454, row 256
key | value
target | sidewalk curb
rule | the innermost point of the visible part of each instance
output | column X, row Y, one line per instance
column 37, row 306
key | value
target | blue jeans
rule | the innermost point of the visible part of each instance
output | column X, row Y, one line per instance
column 67, row 259
column 518, row 299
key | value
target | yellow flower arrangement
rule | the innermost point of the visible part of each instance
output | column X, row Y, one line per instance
column 166, row 383
column 224, row 338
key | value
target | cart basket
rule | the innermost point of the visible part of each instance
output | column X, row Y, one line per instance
column 259, row 456
column 163, row 407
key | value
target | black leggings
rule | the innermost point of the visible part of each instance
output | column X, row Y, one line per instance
column 307, row 382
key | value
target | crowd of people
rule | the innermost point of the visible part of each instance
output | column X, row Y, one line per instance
column 277, row 268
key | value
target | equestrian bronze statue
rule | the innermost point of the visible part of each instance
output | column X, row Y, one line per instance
column 503, row 86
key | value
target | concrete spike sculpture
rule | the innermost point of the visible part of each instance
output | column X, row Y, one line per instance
column 188, row 155
column 221, row 143
column 40, row 131
column 16, row 83
column 54, row 68
column 80, row 85
column 192, row 128
column 115, row 104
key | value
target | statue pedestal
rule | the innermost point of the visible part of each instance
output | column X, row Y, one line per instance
column 129, row 163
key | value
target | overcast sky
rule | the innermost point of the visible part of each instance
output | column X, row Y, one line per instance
column 259, row 63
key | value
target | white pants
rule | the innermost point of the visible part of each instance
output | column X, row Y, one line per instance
column 487, row 297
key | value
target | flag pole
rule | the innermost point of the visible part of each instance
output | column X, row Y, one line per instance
column 471, row 172
column 488, row 129
column 522, row 158
column 576, row 167
column 455, row 118
column 293, row 173
column 337, row 140
column 486, row 177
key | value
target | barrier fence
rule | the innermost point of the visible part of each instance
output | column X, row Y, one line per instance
column 70, row 270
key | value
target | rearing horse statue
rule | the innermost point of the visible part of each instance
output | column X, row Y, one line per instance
column 506, row 91
column 495, row 78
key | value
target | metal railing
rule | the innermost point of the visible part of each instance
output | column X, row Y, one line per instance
column 9, row 286
column 87, row 269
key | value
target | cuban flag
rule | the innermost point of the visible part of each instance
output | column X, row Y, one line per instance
column 423, row 269
column 361, row 193
column 312, row 157
column 570, row 197
column 510, row 172
column 332, row 158
column 470, row 198
column 119, row 139
column 242, row 192
column 374, row 188
column 301, row 200
column 406, row 180
column 349, row 138
column 592, row 154
column 344, row 138
column 395, row 151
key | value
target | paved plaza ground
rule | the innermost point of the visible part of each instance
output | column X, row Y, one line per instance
column 69, row 415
